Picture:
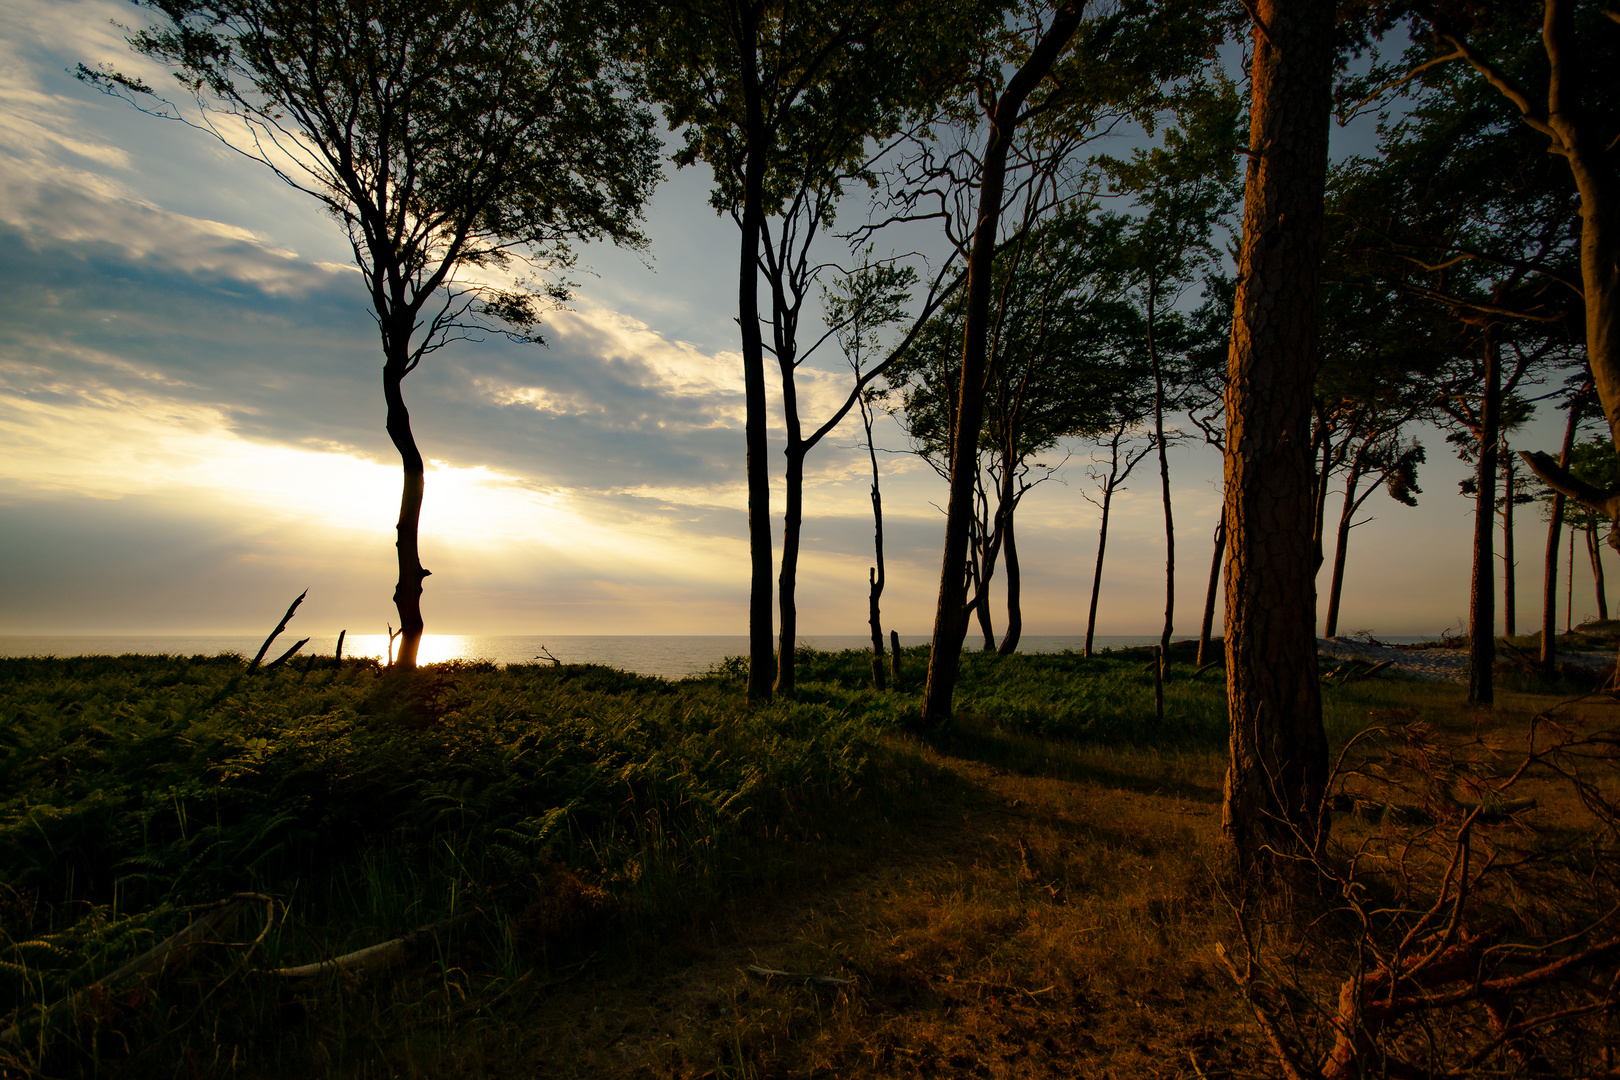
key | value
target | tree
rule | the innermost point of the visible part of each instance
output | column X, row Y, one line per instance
column 1577, row 113
column 1063, row 357
column 1277, row 778
column 782, row 101
column 1055, row 70
column 1464, row 213
column 453, row 139
column 1576, row 404
column 1182, row 190
column 862, row 305
column 1123, row 458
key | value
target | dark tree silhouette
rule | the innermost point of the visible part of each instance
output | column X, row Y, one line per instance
column 457, row 141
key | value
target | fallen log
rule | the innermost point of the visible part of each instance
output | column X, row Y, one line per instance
column 766, row 973
column 363, row 961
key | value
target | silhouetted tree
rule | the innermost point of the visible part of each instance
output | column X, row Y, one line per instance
column 459, row 142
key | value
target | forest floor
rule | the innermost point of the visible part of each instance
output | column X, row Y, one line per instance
column 1051, row 918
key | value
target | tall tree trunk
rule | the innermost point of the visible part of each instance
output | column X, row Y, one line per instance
column 1341, row 546
column 1549, row 575
column 1164, row 485
column 1594, row 548
column 755, row 434
column 875, row 576
column 1208, row 624
column 949, row 622
column 1096, row 574
column 408, row 586
column 792, row 529
column 1278, row 774
column 1569, row 589
column 1510, row 586
column 1482, row 594
column 1015, row 611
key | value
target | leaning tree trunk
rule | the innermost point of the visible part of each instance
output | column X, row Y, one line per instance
column 949, row 618
column 1208, row 624
column 1341, row 546
column 1549, row 575
column 1015, row 610
column 1096, row 574
column 1595, row 549
column 1277, row 778
column 1510, row 585
column 1482, row 596
column 408, row 587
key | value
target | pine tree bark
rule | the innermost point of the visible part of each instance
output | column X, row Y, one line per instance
column 1482, row 594
column 1278, row 773
column 949, row 618
column 1208, row 625
column 408, row 586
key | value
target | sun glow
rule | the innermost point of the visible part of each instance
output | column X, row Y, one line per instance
column 434, row 649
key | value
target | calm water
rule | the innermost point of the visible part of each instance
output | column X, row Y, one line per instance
column 670, row 656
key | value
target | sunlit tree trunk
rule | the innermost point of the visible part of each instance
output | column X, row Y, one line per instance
column 1482, row 594
column 1278, row 773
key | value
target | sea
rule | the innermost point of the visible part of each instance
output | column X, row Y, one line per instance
column 667, row 656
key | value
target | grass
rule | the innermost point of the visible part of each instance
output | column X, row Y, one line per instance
column 604, row 854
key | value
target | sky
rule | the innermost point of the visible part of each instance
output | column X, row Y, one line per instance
column 191, row 425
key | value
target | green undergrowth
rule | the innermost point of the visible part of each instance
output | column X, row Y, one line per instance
column 533, row 808
column 537, row 818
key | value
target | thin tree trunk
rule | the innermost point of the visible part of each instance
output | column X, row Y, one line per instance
column 1277, row 779
column 1594, row 549
column 1341, row 545
column 1569, row 589
column 792, row 529
column 1482, row 594
column 1208, row 624
column 756, row 436
column 1549, row 577
column 1164, row 484
column 408, row 586
column 1015, row 613
column 1096, row 574
column 875, row 576
column 949, row 623
column 1510, row 609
